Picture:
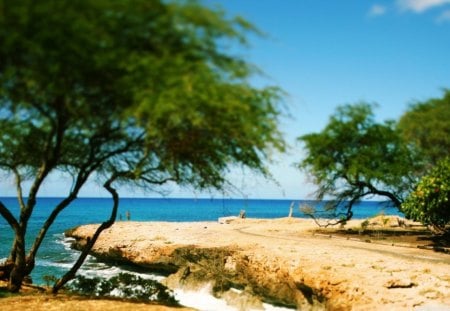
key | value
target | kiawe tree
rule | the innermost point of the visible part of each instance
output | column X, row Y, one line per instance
column 134, row 91
column 426, row 125
column 355, row 157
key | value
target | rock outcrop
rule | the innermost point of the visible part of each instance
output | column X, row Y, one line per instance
column 234, row 274
column 250, row 261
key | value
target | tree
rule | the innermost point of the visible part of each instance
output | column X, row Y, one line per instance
column 426, row 124
column 429, row 203
column 135, row 91
column 355, row 157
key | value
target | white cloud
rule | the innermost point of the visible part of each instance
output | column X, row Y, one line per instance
column 420, row 6
column 377, row 10
column 444, row 17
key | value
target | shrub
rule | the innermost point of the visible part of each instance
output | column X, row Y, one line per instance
column 124, row 285
column 364, row 225
column 429, row 203
column 49, row 279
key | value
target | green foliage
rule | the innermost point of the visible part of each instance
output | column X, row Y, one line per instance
column 343, row 221
column 124, row 285
column 136, row 92
column 429, row 203
column 144, row 80
column 364, row 225
column 354, row 157
column 426, row 124
column 49, row 279
column 5, row 294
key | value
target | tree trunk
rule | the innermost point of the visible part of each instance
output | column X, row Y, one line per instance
column 5, row 270
column 31, row 258
column 90, row 243
column 12, row 254
column 18, row 271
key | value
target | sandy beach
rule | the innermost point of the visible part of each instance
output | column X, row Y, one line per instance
column 283, row 261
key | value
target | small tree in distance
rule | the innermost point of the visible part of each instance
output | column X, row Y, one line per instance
column 136, row 92
column 354, row 157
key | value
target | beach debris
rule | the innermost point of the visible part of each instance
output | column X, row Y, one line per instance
column 227, row 220
column 399, row 283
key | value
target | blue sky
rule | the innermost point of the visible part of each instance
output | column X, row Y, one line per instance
column 325, row 53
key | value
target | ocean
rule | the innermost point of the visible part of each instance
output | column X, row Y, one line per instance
column 55, row 256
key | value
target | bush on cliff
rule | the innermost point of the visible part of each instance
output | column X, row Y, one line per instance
column 126, row 286
column 429, row 203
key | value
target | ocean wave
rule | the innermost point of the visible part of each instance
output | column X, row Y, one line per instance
column 65, row 241
column 203, row 300
column 51, row 263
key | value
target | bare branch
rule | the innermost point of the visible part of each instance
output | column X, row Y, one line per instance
column 105, row 225
column 19, row 188
column 9, row 217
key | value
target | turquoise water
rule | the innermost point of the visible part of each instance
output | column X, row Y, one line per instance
column 55, row 255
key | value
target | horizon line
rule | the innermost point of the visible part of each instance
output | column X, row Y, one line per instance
column 189, row 198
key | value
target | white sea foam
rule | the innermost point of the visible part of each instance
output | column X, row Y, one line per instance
column 268, row 307
column 117, row 293
column 49, row 263
column 65, row 241
column 93, row 268
column 203, row 300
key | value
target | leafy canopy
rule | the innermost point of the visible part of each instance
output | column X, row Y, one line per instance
column 354, row 157
column 132, row 91
column 429, row 203
column 426, row 124
column 138, row 79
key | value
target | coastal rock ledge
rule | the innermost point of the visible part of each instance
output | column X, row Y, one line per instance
column 248, row 261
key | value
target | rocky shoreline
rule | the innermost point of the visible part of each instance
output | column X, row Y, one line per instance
column 249, row 261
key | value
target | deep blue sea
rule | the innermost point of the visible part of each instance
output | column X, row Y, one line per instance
column 55, row 255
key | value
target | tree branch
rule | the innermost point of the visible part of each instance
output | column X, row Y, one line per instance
column 9, row 217
column 85, row 171
column 49, row 162
column 373, row 190
column 19, row 188
column 90, row 243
